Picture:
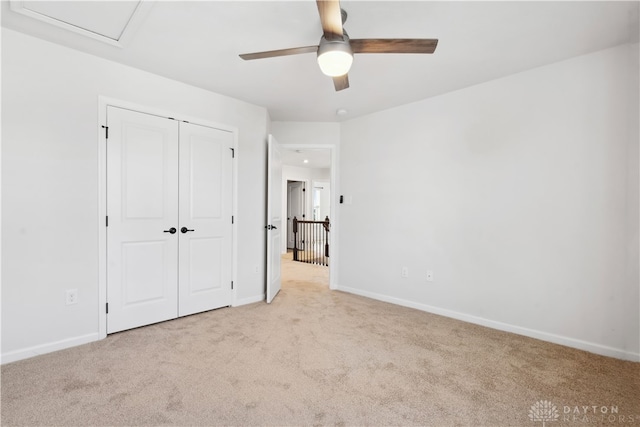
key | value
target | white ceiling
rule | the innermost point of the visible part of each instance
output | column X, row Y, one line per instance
column 315, row 158
column 105, row 19
column 199, row 42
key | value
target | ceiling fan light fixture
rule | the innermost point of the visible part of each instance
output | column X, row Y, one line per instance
column 335, row 53
column 335, row 57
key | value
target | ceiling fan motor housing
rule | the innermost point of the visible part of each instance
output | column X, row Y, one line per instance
column 335, row 56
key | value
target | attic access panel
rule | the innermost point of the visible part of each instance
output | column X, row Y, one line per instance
column 111, row 22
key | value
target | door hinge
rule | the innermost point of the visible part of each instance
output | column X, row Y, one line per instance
column 232, row 284
column 233, row 153
column 106, row 131
column 107, row 220
column 231, row 219
column 107, row 308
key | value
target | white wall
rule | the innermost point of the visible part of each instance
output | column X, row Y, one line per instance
column 633, row 178
column 520, row 194
column 298, row 173
column 50, row 185
column 306, row 133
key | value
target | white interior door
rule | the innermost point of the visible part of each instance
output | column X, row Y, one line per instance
column 142, row 191
column 205, row 218
column 169, row 207
column 295, row 207
column 274, row 217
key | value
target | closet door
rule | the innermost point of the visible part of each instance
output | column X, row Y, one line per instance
column 274, row 218
column 142, row 208
column 205, row 262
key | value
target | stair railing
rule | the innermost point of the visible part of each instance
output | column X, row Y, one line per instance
column 311, row 241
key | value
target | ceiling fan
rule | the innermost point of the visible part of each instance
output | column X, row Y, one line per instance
column 336, row 49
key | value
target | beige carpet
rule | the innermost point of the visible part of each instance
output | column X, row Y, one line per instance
column 316, row 357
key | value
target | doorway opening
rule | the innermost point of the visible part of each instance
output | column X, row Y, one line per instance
column 307, row 175
column 296, row 192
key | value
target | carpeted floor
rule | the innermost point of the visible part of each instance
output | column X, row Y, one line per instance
column 316, row 357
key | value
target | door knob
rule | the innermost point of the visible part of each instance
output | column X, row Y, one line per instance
column 172, row 230
column 273, row 227
column 185, row 229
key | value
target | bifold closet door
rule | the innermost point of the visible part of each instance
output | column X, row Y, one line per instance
column 142, row 208
column 205, row 249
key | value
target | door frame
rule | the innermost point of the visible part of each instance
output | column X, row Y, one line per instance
column 333, row 211
column 285, row 205
column 103, row 103
column 313, row 187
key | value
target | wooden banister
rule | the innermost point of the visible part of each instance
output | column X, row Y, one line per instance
column 311, row 241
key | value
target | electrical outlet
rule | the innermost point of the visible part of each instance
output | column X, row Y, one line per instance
column 71, row 296
column 405, row 272
column 429, row 276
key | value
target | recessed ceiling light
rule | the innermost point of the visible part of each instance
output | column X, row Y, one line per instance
column 306, row 161
column 341, row 112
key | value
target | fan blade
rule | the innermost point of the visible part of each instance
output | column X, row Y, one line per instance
column 393, row 45
column 330, row 18
column 281, row 52
column 341, row 82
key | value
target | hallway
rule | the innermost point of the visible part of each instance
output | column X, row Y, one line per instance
column 295, row 274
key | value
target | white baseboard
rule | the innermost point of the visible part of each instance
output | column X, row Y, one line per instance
column 532, row 333
column 37, row 350
column 250, row 300
column 545, row 336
